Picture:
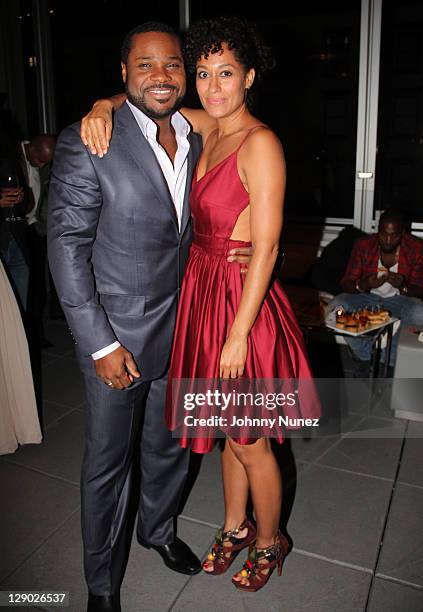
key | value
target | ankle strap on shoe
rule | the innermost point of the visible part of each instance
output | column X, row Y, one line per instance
column 270, row 553
column 221, row 536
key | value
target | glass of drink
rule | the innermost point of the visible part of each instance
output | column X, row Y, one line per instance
column 11, row 181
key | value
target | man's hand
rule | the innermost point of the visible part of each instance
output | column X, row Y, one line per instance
column 118, row 368
column 96, row 127
column 241, row 256
column 9, row 196
column 372, row 281
column 396, row 280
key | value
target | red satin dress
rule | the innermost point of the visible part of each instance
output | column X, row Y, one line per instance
column 210, row 295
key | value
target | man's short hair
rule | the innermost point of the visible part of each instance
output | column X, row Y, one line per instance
column 149, row 26
column 393, row 215
column 41, row 142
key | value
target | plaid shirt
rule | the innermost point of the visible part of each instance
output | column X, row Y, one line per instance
column 364, row 259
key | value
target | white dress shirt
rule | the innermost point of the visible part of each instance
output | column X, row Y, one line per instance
column 174, row 173
column 34, row 184
column 386, row 289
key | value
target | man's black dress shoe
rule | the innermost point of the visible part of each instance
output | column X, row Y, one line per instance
column 103, row 603
column 177, row 556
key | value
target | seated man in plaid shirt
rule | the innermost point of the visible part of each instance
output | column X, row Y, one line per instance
column 384, row 269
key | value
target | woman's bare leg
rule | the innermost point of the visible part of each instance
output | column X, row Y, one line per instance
column 235, row 488
column 265, row 482
column 235, row 491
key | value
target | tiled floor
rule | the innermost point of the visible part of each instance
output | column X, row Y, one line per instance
column 356, row 517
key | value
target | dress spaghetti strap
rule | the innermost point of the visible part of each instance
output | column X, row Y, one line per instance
column 255, row 127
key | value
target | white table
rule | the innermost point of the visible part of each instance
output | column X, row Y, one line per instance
column 407, row 390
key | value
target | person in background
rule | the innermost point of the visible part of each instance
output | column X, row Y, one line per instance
column 20, row 197
column 35, row 157
column 384, row 270
column 19, row 422
column 15, row 203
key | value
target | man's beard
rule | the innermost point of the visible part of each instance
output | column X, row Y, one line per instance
column 140, row 103
column 388, row 249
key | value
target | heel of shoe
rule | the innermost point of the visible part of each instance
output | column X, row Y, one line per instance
column 280, row 563
column 284, row 550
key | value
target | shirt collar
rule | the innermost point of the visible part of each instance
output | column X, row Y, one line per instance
column 149, row 128
column 30, row 167
column 23, row 143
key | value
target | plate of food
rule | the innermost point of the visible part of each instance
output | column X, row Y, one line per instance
column 359, row 321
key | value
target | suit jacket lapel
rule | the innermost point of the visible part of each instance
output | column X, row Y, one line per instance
column 143, row 155
column 194, row 150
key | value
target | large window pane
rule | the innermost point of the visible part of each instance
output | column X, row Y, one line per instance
column 310, row 99
column 86, row 40
column 399, row 168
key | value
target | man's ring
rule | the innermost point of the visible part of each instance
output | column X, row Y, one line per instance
column 109, row 384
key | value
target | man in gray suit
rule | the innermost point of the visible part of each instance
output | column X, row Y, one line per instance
column 119, row 233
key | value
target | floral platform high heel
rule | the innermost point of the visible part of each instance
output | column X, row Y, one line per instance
column 222, row 556
column 261, row 562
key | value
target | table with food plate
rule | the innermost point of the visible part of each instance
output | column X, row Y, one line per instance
column 323, row 322
column 317, row 318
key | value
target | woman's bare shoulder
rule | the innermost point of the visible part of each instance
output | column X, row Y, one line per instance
column 261, row 143
column 262, row 133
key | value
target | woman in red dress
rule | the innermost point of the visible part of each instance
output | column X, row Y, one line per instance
column 232, row 325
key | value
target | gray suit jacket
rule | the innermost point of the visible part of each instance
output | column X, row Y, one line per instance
column 116, row 254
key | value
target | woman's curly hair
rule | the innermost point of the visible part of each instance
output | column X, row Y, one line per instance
column 206, row 36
